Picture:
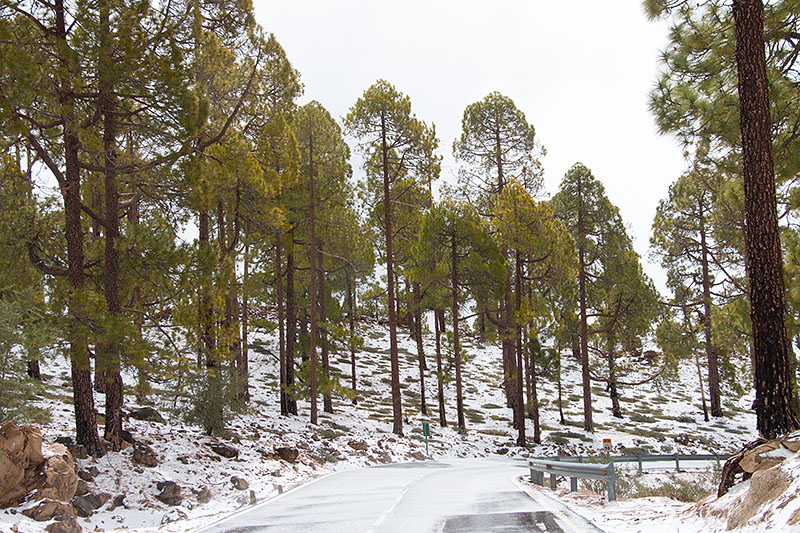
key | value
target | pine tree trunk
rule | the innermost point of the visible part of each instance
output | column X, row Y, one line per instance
column 561, row 419
column 244, row 368
column 616, row 411
column 462, row 426
column 327, row 400
column 588, row 424
column 291, row 323
column 519, row 411
column 711, row 351
column 352, row 322
column 438, row 322
column 83, row 399
column 312, row 259
column 281, row 324
column 206, row 354
column 397, row 405
column 537, row 429
column 775, row 397
column 111, row 346
column 420, row 350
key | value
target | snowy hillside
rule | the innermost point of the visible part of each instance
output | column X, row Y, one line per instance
column 360, row 435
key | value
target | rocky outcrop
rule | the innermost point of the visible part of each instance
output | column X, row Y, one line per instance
column 224, row 450
column 169, row 493
column 28, row 468
column 144, row 455
column 287, row 453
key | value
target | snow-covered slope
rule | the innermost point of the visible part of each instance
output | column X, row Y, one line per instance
column 360, row 435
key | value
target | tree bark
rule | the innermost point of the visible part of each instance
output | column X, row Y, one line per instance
column 352, row 323
column 83, row 399
column 291, row 323
column 462, row 426
column 420, row 349
column 711, row 350
column 327, row 400
column 775, row 397
column 519, row 411
column 588, row 424
column 397, row 405
column 244, row 367
column 438, row 322
column 312, row 257
column 281, row 324
column 111, row 346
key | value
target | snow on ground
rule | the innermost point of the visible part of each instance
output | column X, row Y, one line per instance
column 360, row 435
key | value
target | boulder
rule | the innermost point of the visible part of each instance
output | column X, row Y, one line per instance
column 359, row 445
column 240, row 483
column 58, row 479
column 87, row 504
column 69, row 525
column 682, row 439
column 287, row 454
column 169, row 493
column 83, row 488
column 418, row 455
column 119, row 501
column 144, row 455
column 78, row 451
column 26, row 467
column 148, row 414
column 224, row 450
column 202, row 494
column 12, row 464
column 49, row 509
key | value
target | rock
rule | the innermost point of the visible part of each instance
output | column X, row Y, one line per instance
column 224, row 450
column 419, row 456
column 144, row 455
column 87, row 504
column 287, row 454
column 202, row 494
column 12, row 464
column 69, row 525
column 85, row 476
column 58, row 479
column 169, row 493
column 501, row 451
column 118, row 501
column 253, row 499
column 83, row 488
column 148, row 414
column 682, row 439
column 49, row 509
column 359, row 445
column 78, row 451
column 240, row 483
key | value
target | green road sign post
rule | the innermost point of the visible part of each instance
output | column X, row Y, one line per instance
column 426, row 430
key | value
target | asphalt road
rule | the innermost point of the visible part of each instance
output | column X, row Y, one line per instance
column 433, row 496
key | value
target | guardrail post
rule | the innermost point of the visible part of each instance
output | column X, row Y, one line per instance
column 573, row 484
column 553, row 481
column 612, row 483
column 677, row 463
column 639, row 458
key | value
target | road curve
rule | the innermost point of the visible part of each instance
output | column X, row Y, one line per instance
column 466, row 495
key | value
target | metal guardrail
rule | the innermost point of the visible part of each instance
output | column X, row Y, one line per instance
column 573, row 470
column 602, row 467
column 639, row 459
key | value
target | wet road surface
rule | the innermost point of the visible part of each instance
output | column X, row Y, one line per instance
column 433, row 496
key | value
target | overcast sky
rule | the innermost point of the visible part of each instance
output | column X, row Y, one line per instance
column 580, row 70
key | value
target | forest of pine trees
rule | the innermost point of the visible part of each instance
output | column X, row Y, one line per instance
column 164, row 194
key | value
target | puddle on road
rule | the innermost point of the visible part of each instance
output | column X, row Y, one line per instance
column 502, row 522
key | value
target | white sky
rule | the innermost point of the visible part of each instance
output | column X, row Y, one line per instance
column 580, row 70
